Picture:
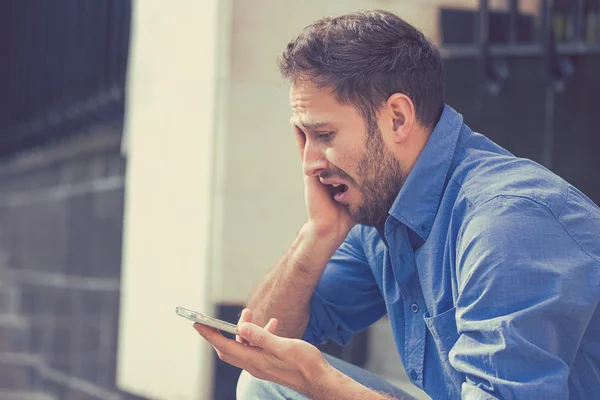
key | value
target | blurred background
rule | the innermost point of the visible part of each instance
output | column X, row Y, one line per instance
column 146, row 162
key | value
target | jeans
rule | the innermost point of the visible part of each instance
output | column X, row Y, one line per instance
column 251, row 388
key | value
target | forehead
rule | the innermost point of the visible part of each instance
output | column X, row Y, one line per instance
column 313, row 105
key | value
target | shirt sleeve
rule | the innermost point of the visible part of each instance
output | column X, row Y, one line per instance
column 347, row 298
column 524, row 302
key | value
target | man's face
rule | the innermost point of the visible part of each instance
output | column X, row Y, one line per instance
column 342, row 149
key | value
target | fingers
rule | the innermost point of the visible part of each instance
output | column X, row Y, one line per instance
column 228, row 350
column 259, row 357
column 205, row 331
column 260, row 337
column 272, row 325
column 246, row 316
column 214, row 337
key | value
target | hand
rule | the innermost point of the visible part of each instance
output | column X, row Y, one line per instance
column 327, row 217
column 246, row 316
column 290, row 362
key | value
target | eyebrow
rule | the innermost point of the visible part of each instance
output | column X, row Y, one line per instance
column 313, row 126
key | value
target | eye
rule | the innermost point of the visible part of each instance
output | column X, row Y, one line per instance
column 325, row 137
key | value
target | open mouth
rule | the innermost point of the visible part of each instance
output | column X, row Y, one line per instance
column 338, row 191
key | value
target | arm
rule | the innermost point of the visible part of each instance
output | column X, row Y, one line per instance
column 524, row 302
column 286, row 291
column 320, row 304
column 334, row 314
column 347, row 298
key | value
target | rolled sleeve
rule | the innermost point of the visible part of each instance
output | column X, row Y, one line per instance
column 347, row 298
column 524, row 302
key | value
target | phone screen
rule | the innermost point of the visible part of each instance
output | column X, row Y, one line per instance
column 206, row 320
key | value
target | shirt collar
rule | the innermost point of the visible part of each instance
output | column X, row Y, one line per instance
column 417, row 203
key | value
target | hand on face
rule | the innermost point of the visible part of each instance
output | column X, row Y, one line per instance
column 328, row 218
column 290, row 362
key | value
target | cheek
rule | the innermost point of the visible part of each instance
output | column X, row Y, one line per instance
column 344, row 159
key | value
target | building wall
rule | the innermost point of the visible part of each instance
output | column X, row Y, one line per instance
column 61, row 211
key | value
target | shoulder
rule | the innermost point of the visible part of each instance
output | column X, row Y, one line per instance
column 498, row 178
column 525, row 231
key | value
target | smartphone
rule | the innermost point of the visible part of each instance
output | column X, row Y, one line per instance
column 206, row 320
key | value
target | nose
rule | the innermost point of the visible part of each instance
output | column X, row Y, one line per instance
column 314, row 161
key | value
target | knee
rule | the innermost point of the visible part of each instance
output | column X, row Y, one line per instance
column 251, row 388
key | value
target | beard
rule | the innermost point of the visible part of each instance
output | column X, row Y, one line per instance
column 381, row 176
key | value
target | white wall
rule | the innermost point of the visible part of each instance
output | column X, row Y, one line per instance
column 170, row 127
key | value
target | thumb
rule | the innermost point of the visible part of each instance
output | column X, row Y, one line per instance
column 259, row 337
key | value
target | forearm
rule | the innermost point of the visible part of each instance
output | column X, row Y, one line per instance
column 286, row 290
column 335, row 385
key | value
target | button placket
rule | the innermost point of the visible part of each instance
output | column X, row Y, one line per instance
column 407, row 278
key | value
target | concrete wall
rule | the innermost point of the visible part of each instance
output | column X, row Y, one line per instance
column 170, row 123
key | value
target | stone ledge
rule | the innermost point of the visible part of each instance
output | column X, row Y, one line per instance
column 24, row 395
column 101, row 139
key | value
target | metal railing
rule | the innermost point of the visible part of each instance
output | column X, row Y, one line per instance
column 63, row 68
column 567, row 29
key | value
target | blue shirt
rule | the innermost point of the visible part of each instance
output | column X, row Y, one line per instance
column 488, row 267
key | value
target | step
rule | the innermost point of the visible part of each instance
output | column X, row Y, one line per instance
column 10, row 298
column 14, row 333
column 24, row 395
column 20, row 371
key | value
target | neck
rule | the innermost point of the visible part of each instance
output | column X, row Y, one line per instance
column 411, row 149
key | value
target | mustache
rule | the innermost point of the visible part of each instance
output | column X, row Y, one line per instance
column 335, row 173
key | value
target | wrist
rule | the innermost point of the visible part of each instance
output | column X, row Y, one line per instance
column 311, row 252
column 322, row 237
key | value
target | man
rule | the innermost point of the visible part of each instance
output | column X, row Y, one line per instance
column 487, row 265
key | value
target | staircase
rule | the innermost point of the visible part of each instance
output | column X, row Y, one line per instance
column 20, row 371
column 25, row 374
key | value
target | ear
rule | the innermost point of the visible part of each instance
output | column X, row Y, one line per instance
column 400, row 112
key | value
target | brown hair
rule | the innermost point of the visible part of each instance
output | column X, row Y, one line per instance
column 366, row 57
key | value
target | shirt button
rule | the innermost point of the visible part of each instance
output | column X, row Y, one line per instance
column 413, row 374
column 414, row 307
